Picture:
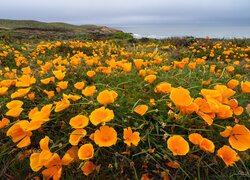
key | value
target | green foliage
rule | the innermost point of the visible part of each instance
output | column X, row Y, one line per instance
column 122, row 35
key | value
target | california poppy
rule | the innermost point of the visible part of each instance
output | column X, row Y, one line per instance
column 59, row 74
column 180, row 97
column 89, row 91
column 232, row 84
column 79, row 85
column 79, row 121
column 239, row 137
column 228, row 155
column 25, row 81
column 76, row 136
column 101, row 115
column 20, row 93
column 195, row 138
column 19, row 132
column 105, row 137
column 192, row 65
column 163, row 87
column 105, row 97
column 207, row 145
column 138, row 63
column 61, row 105
column 142, row 109
column 86, row 151
column 131, row 137
column 178, row 145
column 62, row 84
column 150, row 78
column 91, row 74
column 245, row 86
column 3, row 90
column 88, row 168
column 4, row 122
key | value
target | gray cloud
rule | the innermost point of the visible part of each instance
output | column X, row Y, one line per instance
column 130, row 12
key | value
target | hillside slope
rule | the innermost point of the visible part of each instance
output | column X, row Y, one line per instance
column 30, row 25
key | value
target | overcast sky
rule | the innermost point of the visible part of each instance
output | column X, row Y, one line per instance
column 130, row 12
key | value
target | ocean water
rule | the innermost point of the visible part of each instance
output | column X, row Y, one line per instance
column 160, row 32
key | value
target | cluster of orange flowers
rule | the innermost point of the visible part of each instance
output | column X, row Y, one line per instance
column 49, row 81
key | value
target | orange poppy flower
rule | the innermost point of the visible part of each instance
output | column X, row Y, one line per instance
column 232, row 84
column 73, row 152
column 59, row 74
column 106, row 97
column 138, row 63
column 88, row 168
column 49, row 93
column 79, row 121
column 150, row 78
column 192, row 65
column 63, row 84
column 142, row 73
column 207, row 145
column 91, row 74
column 3, row 90
column 239, row 137
column 228, row 155
column 206, row 83
column 193, row 107
column 45, row 81
column 54, row 168
column 26, row 70
column 195, row 138
column 166, row 68
column 225, row 92
column 152, row 102
column 211, row 94
column 224, row 111
column 200, row 61
column 86, row 151
column 76, row 136
column 14, row 112
column 72, row 97
column 20, row 93
column 142, row 109
column 180, row 64
column 234, row 106
column 101, row 115
column 131, row 137
column 4, row 122
column 205, row 117
column 230, row 68
column 180, row 97
column 19, row 132
column 34, row 162
column 178, row 145
column 14, row 104
column 67, row 159
column 79, row 85
column 212, row 68
column 7, row 83
column 105, row 137
column 89, row 91
column 39, row 117
column 163, row 88
column 127, row 67
column 61, row 105
column 31, row 96
column 245, row 86
column 25, row 81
